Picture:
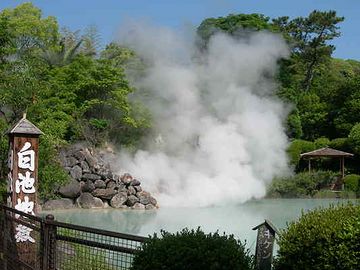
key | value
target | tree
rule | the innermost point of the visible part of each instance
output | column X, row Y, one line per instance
column 29, row 29
column 313, row 113
column 309, row 38
column 239, row 25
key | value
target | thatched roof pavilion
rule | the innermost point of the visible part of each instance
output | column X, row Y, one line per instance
column 330, row 153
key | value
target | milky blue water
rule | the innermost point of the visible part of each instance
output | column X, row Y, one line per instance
column 235, row 219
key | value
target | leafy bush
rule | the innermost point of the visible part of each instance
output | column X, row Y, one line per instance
column 293, row 125
column 340, row 144
column 192, row 249
column 351, row 182
column 296, row 148
column 51, row 174
column 300, row 185
column 354, row 138
column 322, row 142
column 323, row 239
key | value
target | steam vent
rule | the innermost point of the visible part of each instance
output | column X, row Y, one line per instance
column 93, row 184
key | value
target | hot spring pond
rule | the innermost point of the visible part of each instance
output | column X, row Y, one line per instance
column 237, row 219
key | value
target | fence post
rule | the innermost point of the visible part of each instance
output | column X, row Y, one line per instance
column 5, row 241
column 49, row 244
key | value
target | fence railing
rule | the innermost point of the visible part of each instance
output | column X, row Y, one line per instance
column 63, row 246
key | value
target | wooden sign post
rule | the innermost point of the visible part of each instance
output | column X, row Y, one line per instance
column 23, row 183
column 264, row 245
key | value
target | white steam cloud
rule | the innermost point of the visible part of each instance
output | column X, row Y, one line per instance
column 219, row 135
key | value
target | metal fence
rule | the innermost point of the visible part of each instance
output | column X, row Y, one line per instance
column 63, row 246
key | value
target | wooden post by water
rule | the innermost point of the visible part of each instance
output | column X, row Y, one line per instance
column 23, row 183
column 264, row 245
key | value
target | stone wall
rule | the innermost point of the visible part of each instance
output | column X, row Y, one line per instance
column 94, row 185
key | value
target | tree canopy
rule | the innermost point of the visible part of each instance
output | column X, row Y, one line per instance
column 73, row 90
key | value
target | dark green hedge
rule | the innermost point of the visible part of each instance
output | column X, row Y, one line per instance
column 192, row 249
column 323, row 239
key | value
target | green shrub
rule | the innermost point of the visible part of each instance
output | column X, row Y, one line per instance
column 297, row 147
column 293, row 125
column 354, row 138
column 340, row 144
column 192, row 249
column 322, row 142
column 351, row 182
column 51, row 174
column 300, row 185
column 323, row 239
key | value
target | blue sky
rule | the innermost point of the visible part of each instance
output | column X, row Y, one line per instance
column 108, row 15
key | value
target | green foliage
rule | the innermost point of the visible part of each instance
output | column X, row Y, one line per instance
column 339, row 143
column 322, row 142
column 67, row 92
column 354, row 138
column 233, row 24
column 308, row 37
column 192, row 249
column 29, row 29
column 51, row 174
column 297, row 147
column 300, row 185
column 313, row 114
column 352, row 182
column 324, row 239
column 294, row 128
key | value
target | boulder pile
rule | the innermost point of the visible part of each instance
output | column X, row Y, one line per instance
column 94, row 185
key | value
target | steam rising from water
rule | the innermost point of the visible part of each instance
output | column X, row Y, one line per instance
column 218, row 128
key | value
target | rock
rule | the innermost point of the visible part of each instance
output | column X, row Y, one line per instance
column 126, row 179
column 121, row 187
column 103, row 193
column 131, row 190
column 116, row 178
column 100, row 184
column 138, row 188
column 118, row 200
column 76, row 172
column 98, row 203
column 149, row 207
column 71, row 190
column 144, row 199
column 79, row 155
column 131, row 200
column 91, row 176
column 70, row 162
column 111, row 184
column 58, row 204
column 91, row 160
column 138, row 206
column 135, row 182
column 153, row 201
column 88, row 186
column 86, row 200
column 84, row 166
column 104, row 173
column 63, row 157
column 106, row 205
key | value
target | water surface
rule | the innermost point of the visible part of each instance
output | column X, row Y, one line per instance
column 236, row 219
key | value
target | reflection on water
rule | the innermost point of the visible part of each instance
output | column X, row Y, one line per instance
column 238, row 219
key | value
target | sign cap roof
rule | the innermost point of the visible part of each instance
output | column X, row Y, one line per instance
column 24, row 126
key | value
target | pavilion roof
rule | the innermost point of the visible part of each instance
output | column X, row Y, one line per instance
column 326, row 152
